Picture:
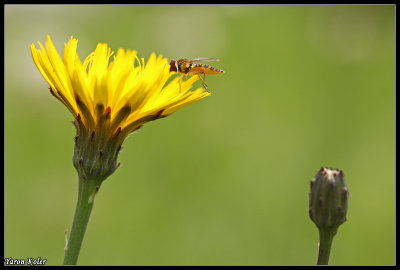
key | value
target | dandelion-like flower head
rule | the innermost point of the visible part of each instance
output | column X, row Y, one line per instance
column 109, row 100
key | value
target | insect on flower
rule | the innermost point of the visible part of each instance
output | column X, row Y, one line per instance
column 189, row 67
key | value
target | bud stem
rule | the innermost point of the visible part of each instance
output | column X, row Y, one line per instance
column 87, row 189
column 325, row 243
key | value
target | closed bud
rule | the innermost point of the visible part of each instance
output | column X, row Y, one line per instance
column 328, row 199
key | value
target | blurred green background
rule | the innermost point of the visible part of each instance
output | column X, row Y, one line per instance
column 225, row 180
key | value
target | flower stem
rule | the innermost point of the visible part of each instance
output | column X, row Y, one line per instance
column 325, row 243
column 86, row 193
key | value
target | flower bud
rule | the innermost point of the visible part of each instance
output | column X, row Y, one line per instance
column 328, row 199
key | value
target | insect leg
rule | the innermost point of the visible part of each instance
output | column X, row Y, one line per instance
column 180, row 78
column 204, row 81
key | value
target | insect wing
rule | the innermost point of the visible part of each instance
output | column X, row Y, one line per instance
column 204, row 60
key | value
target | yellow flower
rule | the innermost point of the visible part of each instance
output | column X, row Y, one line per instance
column 110, row 100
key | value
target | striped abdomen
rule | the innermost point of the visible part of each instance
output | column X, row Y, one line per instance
column 205, row 69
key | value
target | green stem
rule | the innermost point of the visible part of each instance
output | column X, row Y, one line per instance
column 325, row 243
column 86, row 193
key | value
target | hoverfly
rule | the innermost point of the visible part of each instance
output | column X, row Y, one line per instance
column 188, row 67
